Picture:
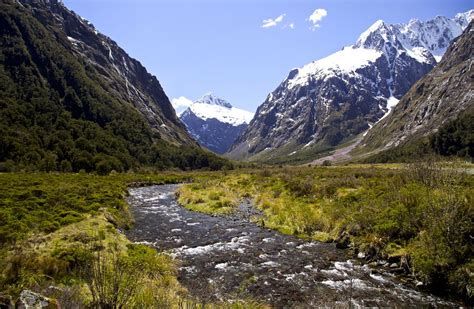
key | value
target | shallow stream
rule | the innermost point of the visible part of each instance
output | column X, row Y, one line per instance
column 225, row 258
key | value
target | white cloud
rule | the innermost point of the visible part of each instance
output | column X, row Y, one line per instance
column 290, row 25
column 317, row 17
column 268, row 23
column 181, row 104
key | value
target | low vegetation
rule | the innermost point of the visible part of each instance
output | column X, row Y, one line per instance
column 420, row 213
column 455, row 138
column 62, row 236
column 65, row 230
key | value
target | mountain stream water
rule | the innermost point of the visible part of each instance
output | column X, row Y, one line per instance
column 223, row 258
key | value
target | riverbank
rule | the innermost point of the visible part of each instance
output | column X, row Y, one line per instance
column 416, row 219
column 228, row 258
column 62, row 236
column 54, row 224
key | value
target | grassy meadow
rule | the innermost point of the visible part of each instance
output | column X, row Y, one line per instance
column 419, row 214
column 66, row 230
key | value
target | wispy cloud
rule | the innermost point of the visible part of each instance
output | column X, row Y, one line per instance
column 316, row 18
column 268, row 23
column 180, row 104
column 289, row 26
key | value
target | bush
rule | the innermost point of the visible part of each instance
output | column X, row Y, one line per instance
column 326, row 163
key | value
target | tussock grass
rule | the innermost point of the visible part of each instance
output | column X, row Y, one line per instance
column 65, row 230
column 420, row 212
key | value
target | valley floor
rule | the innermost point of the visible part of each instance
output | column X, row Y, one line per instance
column 418, row 218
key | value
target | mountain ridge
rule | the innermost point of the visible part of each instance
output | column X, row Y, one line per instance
column 332, row 100
column 65, row 107
column 128, row 79
column 214, row 122
column 438, row 98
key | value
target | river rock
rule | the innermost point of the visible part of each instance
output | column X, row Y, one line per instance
column 343, row 241
column 6, row 302
column 31, row 300
column 381, row 262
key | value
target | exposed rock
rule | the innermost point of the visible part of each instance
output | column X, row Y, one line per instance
column 215, row 123
column 123, row 77
column 440, row 96
column 31, row 300
column 343, row 241
column 332, row 100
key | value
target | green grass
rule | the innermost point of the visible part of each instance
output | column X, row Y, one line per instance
column 55, row 227
column 32, row 203
column 54, row 224
column 423, row 211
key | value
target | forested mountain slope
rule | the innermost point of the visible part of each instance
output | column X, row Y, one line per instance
column 71, row 99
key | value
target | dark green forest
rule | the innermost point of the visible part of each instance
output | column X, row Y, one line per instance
column 454, row 139
column 55, row 116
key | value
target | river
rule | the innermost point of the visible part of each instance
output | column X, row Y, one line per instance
column 224, row 258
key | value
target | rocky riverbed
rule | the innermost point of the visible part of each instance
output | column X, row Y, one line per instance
column 227, row 258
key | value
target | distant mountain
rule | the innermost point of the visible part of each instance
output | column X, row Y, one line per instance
column 214, row 123
column 442, row 101
column 72, row 99
column 330, row 101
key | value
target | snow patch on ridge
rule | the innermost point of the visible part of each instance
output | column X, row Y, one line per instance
column 212, row 107
column 347, row 60
column 233, row 115
column 391, row 103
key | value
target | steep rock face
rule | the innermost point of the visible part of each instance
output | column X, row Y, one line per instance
column 123, row 77
column 63, row 111
column 214, row 123
column 443, row 94
column 330, row 101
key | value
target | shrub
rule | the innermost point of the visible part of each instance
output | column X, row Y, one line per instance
column 327, row 163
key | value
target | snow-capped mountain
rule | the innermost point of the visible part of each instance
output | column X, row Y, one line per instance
column 332, row 100
column 440, row 96
column 214, row 122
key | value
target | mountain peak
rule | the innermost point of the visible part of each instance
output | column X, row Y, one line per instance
column 211, row 99
column 378, row 26
column 464, row 18
column 417, row 37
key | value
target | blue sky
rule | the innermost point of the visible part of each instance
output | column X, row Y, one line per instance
column 197, row 46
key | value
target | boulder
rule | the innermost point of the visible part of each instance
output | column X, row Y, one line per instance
column 32, row 300
column 343, row 241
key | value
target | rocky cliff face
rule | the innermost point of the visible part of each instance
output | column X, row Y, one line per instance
column 215, row 123
column 332, row 100
column 443, row 94
column 123, row 77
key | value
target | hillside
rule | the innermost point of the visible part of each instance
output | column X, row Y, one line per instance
column 329, row 102
column 441, row 101
column 72, row 100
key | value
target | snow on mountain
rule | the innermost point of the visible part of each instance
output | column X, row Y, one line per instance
column 212, row 107
column 332, row 100
column 446, row 93
column 347, row 60
column 421, row 40
column 210, row 99
column 213, row 121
